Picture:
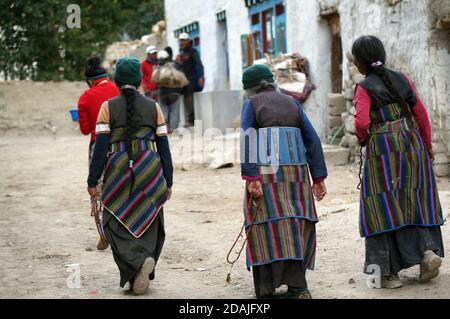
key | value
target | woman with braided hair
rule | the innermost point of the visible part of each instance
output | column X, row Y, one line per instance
column 400, row 212
column 133, row 149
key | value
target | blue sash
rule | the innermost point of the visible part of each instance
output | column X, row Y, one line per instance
column 281, row 146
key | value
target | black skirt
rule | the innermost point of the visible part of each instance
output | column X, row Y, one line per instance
column 402, row 248
column 129, row 252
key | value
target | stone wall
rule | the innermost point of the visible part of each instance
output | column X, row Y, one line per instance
column 348, row 117
column 310, row 36
column 439, row 67
column 417, row 41
column 136, row 48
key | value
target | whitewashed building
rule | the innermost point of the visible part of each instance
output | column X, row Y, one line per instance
column 229, row 34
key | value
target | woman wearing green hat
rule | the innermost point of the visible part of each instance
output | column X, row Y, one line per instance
column 281, row 151
column 132, row 146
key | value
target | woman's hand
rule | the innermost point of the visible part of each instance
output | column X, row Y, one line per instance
column 319, row 190
column 93, row 192
column 169, row 193
column 255, row 189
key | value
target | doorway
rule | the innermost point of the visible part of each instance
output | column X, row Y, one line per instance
column 334, row 22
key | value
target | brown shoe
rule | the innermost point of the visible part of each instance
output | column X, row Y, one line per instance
column 305, row 294
column 102, row 244
column 429, row 267
column 142, row 281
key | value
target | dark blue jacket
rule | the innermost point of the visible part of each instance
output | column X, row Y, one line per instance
column 314, row 151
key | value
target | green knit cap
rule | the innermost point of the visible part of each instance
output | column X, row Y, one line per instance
column 128, row 71
column 254, row 74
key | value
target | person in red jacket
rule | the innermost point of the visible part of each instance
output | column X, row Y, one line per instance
column 100, row 90
column 148, row 66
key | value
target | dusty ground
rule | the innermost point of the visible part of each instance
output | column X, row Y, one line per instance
column 46, row 224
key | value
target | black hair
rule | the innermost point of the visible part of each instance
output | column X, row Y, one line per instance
column 169, row 51
column 93, row 62
column 131, row 125
column 368, row 50
column 94, row 68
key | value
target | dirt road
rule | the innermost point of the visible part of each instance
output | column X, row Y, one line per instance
column 46, row 225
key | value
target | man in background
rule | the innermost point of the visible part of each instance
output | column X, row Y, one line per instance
column 191, row 64
column 170, row 80
column 148, row 66
column 100, row 90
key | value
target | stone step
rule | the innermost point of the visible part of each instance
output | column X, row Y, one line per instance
column 335, row 155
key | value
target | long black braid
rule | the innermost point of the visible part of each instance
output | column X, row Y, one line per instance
column 130, row 97
column 381, row 72
column 370, row 52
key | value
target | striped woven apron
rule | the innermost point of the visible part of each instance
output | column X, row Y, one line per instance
column 398, row 185
column 284, row 227
column 149, row 193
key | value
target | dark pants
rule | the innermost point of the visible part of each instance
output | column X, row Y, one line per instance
column 130, row 253
column 188, row 95
column 267, row 278
column 401, row 248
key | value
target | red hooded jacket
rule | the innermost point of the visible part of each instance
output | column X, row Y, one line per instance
column 90, row 101
column 147, row 72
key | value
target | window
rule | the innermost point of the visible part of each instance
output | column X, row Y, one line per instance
column 255, row 18
column 268, row 27
column 279, row 9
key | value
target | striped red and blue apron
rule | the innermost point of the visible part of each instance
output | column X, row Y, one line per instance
column 398, row 186
column 284, row 226
column 137, row 209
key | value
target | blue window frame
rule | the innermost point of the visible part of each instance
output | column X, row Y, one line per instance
column 195, row 37
column 268, row 26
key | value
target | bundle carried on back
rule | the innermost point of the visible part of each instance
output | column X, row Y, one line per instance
column 169, row 76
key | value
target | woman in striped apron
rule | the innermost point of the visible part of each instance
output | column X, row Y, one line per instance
column 400, row 212
column 280, row 150
column 132, row 147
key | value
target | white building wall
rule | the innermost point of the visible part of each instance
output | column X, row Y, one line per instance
column 404, row 28
column 181, row 13
column 238, row 24
column 311, row 37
